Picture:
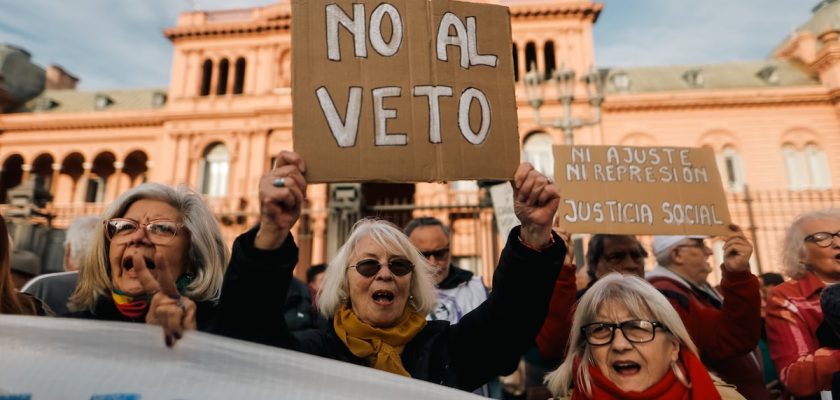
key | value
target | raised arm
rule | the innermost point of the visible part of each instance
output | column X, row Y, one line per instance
column 554, row 334
column 490, row 340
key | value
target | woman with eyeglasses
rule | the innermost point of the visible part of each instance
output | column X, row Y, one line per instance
column 378, row 290
column 159, row 248
column 794, row 318
column 627, row 342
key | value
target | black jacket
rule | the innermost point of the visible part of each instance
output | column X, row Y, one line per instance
column 106, row 310
column 487, row 342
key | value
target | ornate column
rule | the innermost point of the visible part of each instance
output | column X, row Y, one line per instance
column 27, row 170
column 117, row 177
column 82, row 185
column 523, row 62
column 56, row 170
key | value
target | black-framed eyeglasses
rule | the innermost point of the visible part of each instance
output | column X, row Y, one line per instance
column 822, row 239
column 438, row 254
column 619, row 256
column 635, row 331
column 698, row 243
column 369, row 268
column 158, row 231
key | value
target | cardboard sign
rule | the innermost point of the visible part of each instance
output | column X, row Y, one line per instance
column 403, row 90
column 64, row 358
column 640, row 190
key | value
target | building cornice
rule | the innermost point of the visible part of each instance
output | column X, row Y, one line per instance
column 226, row 29
column 583, row 10
column 716, row 99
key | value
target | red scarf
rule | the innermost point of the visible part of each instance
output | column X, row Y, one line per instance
column 668, row 388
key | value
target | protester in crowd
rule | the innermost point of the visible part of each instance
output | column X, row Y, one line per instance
column 298, row 309
column 11, row 301
column 459, row 291
column 727, row 327
column 627, row 342
column 55, row 289
column 811, row 257
column 379, row 289
column 315, row 279
column 771, row 378
column 25, row 265
column 158, row 257
column 605, row 254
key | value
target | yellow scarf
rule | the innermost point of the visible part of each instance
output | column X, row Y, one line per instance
column 380, row 347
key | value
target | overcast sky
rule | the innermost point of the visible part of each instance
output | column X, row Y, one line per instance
column 112, row 44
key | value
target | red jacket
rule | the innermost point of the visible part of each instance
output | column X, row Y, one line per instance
column 725, row 334
column 793, row 316
column 554, row 335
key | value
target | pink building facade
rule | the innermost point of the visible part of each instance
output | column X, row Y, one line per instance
column 774, row 123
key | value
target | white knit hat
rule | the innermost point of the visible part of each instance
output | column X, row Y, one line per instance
column 664, row 244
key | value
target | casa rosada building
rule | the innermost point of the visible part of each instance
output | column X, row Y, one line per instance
column 773, row 123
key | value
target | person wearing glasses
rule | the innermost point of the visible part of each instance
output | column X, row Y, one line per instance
column 605, row 254
column 726, row 327
column 794, row 318
column 627, row 342
column 378, row 290
column 458, row 290
column 158, row 248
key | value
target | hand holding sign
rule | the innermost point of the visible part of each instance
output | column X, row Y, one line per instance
column 535, row 203
column 175, row 313
column 282, row 193
column 737, row 251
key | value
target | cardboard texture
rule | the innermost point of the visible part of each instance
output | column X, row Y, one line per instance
column 640, row 190
column 387, row 131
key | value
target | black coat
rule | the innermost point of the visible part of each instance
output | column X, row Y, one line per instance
column 486, row 343
column 106, row 310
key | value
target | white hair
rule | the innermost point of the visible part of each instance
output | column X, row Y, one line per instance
column 336, row 288
column 641, row 300
column 207, row 254
column 79, row 236
column 793, row 246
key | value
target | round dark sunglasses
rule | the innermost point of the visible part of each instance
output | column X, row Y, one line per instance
column 369, row 268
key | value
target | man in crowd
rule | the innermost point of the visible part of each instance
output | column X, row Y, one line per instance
column 459, row 291
column 726, row 328
column 614, row 253
column 55, row 289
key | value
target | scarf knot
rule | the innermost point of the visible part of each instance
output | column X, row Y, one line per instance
column 380, row 347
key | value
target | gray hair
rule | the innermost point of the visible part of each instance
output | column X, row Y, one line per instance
column 793, row 246
column 426, row 221
column 79, row 236
column 207, row 255
column 336, row 288
column 642, row 301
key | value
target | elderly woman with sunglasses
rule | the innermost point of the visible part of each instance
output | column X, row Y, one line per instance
column 378, row 290
column 159, row 248
column 794, row 318
column 628, row 342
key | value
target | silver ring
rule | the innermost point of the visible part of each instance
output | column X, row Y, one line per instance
column 280, row 182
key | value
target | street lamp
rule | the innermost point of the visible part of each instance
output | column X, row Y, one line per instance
column 564, row 80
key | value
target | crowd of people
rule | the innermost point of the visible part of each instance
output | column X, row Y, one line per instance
column 392, row 298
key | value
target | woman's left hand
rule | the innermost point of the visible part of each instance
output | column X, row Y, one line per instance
column 175, row 313
column 535, row 202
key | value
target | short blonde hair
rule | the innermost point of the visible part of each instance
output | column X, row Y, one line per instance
column 793, row 246
column 208, row 254
column 336, row 288
column 642, row 301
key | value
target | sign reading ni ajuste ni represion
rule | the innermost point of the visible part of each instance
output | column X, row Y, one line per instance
column 640, row 190
column 403, row 90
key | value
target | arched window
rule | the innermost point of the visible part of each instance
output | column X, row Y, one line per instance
column 206, row 76
column 817, row 167
column 732, row 169
column 537, row 151
column 530, row 56
column 515, row 63
column 795, row 168
column 214, row 177
column 239, row 76
column 221, row 86
column 550, row 62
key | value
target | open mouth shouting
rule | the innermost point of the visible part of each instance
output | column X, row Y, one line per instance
column 128, row 263
column 626, row 368
column 383, row 297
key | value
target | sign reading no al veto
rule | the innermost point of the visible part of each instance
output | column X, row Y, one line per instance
column 403, row 90
column 640, row 190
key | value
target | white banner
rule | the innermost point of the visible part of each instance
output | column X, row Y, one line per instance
column 52, row 358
